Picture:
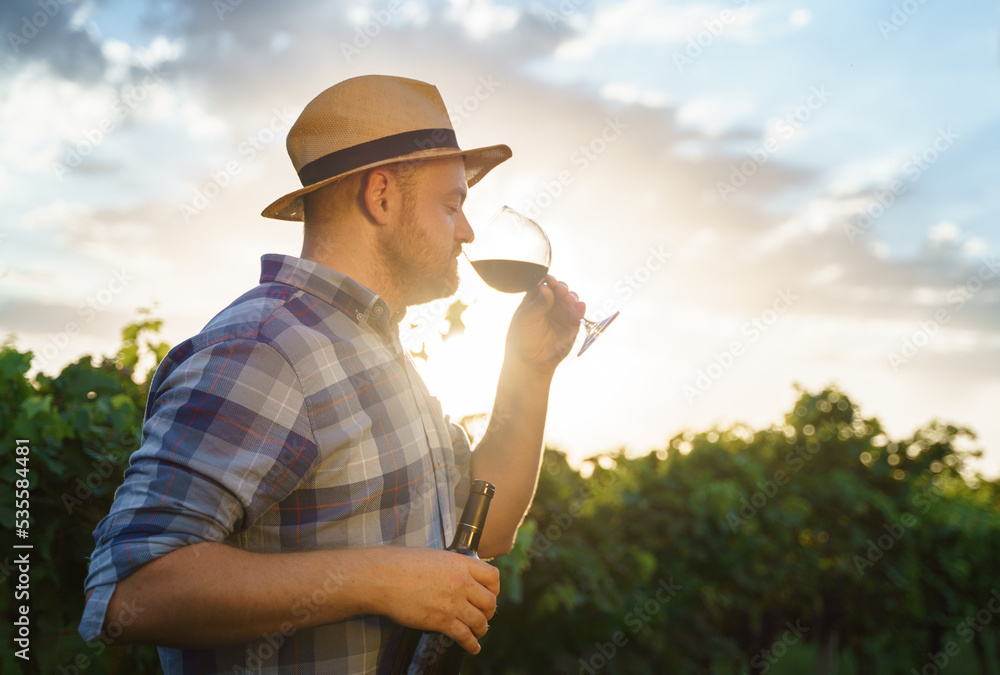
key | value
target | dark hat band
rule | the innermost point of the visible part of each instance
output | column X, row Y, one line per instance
column 378, row 150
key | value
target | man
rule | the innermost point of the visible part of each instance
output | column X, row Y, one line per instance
column 296, row 482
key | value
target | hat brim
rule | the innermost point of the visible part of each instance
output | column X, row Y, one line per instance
column 478, row 163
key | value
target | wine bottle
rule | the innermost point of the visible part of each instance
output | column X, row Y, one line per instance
column 429, row 653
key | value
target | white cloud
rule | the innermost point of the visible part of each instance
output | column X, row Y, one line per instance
column 56, row 117
column 825, row 275
column 481, row 18
column 160, row 49
column 697, row 244
column 81, row 17
column 716, row 114
column 975, row 246
column 6, row 182
column 116, row 51
column 928, row 296
column 879, row 249
column 416, row 13
column 357, row 15
column 944, row 232
column 863, row 173
column 199, row 123
column 778, row 236
column 800, row 18
column 280, row 42
column 46, row 112
column 948, row 234
column 629, row 94
column 57, row 216
column 646, row 22
column 122, row 56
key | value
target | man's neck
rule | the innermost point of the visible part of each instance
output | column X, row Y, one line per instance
column 358, row 261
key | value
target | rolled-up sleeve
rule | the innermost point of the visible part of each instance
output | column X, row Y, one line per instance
column 226, row 436
column 463, row 462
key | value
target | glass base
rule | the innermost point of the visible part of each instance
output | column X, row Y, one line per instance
column 594, row 330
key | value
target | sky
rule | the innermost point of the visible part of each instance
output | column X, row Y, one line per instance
column 772, row 192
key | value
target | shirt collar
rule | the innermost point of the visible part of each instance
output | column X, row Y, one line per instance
column 341, row 292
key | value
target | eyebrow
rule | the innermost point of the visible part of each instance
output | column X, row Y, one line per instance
column 461, row 192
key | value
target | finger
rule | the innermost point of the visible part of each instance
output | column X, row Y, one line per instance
column 461, row 634
column 477, row 622
column 487, row 575
column 569, row 311
column 484, row 601
column 559, row 288
column 574, row 306
column 566, row 297
column 543, row 298
column 575, row 300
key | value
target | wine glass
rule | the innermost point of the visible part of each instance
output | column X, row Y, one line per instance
column 512, row 254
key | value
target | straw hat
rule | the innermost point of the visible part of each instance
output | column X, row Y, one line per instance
column 370, row 121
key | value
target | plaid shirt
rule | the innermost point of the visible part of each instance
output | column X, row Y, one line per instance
column 294, row 421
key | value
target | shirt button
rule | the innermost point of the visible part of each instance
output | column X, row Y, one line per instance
column 361, row 317
column 378, row 309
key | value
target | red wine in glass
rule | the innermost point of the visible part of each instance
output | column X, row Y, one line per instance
column 510, row 276
column 513, row 254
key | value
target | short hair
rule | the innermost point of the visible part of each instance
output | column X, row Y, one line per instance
column 404, row 173
column 338, row 193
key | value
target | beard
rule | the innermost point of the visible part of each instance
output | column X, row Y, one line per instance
column 413, row 263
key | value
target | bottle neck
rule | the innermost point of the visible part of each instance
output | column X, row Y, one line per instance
column 470, row 524
column 466, row 540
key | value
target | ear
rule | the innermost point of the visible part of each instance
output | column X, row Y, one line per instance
column 380, row 194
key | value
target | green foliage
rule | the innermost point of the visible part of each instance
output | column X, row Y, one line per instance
column 454, row 318
column 428, row 324
column 879, row 549
column 692, row 559
column 82, row 427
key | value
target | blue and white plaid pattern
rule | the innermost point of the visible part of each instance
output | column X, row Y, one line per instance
column 294, row 421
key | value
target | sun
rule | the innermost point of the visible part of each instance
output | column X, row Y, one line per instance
column 461, row 367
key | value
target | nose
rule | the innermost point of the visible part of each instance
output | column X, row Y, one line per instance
column 463, row 230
